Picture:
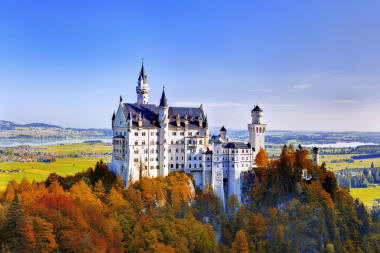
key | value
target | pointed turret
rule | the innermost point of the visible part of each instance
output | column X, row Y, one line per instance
column 142, row 88
column 113, row 116
column 142, row 75
column 163, row 101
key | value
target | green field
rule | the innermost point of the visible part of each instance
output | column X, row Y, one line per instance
column 99, row 148
column 367, row 195
column 62, row 166
column 362, row 163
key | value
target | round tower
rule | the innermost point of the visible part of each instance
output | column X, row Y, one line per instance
column 142, row 88
column 257, row 130
column 163, row 118
column 257, row 115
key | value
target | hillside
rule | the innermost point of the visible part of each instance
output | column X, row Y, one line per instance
column 281, row 213
column 13, row 131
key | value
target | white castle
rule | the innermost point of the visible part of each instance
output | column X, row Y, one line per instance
column 162, row 139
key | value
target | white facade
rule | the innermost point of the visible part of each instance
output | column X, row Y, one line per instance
column 152, row 141
column 257, row 130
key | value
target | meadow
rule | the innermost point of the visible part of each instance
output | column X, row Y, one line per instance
column 98, row 148
column 367, row 195
column 357, row 163
column 39, row 171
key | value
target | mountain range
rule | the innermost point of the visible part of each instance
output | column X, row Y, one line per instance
column 11, row 130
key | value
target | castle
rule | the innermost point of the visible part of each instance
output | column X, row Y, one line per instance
column 153, row 140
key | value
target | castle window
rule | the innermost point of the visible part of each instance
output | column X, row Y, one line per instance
column 136, row 160
column 170, row 150
column 151, row 167
column 136, row 134
column 189, row 133
column 157, row 159
column 189, row 166
column 151, row 133
column 143, row 133
column 183, row 142
column 157, row 167
column 182, row 133
column 176, row 150
column 172, row 142
column 143, row 143
column 136, row 143
column 136, row 152
column 200, row 141
column 171, row 166
column 189, row 158
column 174, row 133
column 200, row 165
column 156, row 133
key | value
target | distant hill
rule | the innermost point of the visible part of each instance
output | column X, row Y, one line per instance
column 304, row 137
column 14, row 131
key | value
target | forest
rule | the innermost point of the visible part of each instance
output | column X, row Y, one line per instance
column 93, row 212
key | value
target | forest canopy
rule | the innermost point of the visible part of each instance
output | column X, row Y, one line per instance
column 281, row 212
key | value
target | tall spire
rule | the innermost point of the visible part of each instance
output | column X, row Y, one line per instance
column 163, row 101
column 142, row 88
column 142, row 75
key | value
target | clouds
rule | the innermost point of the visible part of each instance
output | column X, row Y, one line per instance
column 345, row 101
column 300, row 87
column 209, row 105
column 261, row 90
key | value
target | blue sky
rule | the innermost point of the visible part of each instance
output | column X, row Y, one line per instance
column 311, row 65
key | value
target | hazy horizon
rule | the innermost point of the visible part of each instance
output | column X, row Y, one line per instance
column 312, row 66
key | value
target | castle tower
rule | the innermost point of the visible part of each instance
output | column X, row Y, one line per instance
column 164, row 135
column 256, row 130
column 315, row 155
column 223, row 133
column 142, row 88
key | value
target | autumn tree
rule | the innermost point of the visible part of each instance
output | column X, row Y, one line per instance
column 261, row 159
column 240, row 244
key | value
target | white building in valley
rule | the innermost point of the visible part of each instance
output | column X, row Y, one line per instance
column 154, row 140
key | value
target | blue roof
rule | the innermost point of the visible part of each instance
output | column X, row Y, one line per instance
column 236, row 145
column 150, row 113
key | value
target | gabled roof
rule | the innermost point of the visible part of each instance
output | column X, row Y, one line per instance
column 223, row 129
column 236, row 145
column 150, row 112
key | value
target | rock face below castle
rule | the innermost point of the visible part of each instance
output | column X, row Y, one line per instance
column 151, row 141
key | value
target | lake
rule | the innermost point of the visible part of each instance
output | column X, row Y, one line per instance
column 42, row 142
